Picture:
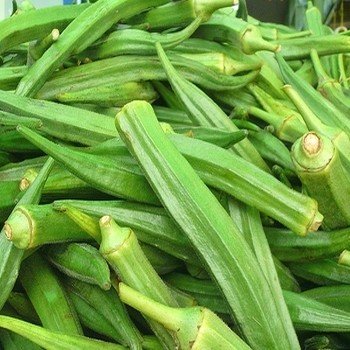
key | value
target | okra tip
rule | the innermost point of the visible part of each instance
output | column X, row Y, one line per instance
column 18, row 229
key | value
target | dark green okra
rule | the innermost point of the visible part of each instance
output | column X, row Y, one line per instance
column 215, row 237
column 86, row 28
column 177, row 14
column 108, row 304
column 81, row 261
column 318, row 165
column 167, row 95
column 48, row 296
column 124, row 69
column 195, row 327
column 337, row 296
column 9, row 194
column 322, row 272
column 172, row 116
column 287, row 246
column 35, row 24
column 202, row 110
column 291, row 208
column 52, row 340
column 325, row 341
column 11, row 141
column 30, row 226
column 11, row 256
column 110, row 95
column 121, row 249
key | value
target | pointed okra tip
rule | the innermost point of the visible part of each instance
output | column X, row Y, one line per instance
column 112, row 235
column 18, row 229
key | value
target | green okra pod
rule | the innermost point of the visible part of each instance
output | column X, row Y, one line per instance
column 323, row 244
column 92, row 318
column 5, row 158
column 183, row 299
column 318, row 165
column 111, row 95
column 138, row 42
column 335, row 296
column 48, row 296
column 52, row 340
column 322, row 272
column 167, row 95
column 37, row 49
column 325, row 341
column 11, row 256
column 9, row 194
column 36, row 24
column 10, row 76
column 23, row 306
column 223, row 27
column 86, row 28
column 152, row 225
column 13, row 341
column 224, row 249
column 322, row 108
column 11, row 141
column 177, row 14
column 195, row 327
column 9, row 119
column 30, row 226
column 81, row 261
column 172, row 116
column 108, row 304
column 124, row 69
column 202, row 110
column 121, row 249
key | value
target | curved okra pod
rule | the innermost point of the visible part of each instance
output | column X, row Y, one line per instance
column 138, row 42
column 152, row 225
column 323, row 109
column 286, row 246
column 48, row 296
column 336, row 296
column 121, row 249
column 212, row 232
column 318, row 165
column 86, row 28
column 224, row 27
column 36, row 24
column 177, row 14
column 30, row 226
column 203, row 111
column 110, row 95
column 107, row 304
column 121, row 70
column 11, row 256
column 322, row 272
column 63, row 122
column 52, row 340
column 195, row 327
column 81, row 261
column 339, row 138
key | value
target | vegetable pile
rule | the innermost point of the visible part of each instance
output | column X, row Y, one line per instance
column 173, row 175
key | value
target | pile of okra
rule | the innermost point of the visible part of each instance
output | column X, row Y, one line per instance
column 173, row 175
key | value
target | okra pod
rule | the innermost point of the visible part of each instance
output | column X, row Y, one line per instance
column 224, row 248
column 111, row 95
column 23, row 306
column 318, row 165
column 35, row 24
column 86, row 28
column 30, row 226
column 195, row 327
column 81, row 261
column 172, row 116
column 289, row 247
column 108, row 304
column 52, row 340
column 48, row 296
column 36, row 50
column 11, row 256
column 10, row 76
column 167, row 95
column 121, row 249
